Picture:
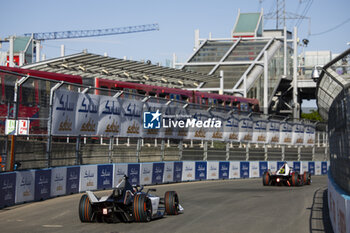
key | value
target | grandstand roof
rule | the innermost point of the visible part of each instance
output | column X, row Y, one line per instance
column 91, row 66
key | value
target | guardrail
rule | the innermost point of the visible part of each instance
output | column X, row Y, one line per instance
column 34, row 185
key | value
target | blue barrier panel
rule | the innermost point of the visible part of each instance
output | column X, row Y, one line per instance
column 157, row 174
column 224, row 170
column 296, row 166
column 201, row 171
column 104, row 176
column 42, row 184
column 324, row 168
column 263, row 167
column 279, row 164
column 312, row 168
column 7, row 189
column 73, row 177
column 134, row 173
column 177, row 171
column 244, row 169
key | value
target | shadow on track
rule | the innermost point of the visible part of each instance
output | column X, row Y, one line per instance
column 319, row 220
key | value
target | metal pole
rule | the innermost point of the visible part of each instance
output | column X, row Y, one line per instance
column 295, row 76
column 313, row 153
column 162, row 149
column 37, row 46
column 138, row 149
column 299, row 153
column 78, row 159
column 11, row 63
column 62, row 50
column 266, row 84
column 221, row 91
column 283, row 153
column 265, row 152
column 227, row 151
column 205, row 151
column 285, row 52
column 180, row 149
column 110, row 150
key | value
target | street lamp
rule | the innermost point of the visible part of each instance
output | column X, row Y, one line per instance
column 315, row 73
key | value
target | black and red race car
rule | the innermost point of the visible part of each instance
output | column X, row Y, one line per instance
column 286, row 176
column 127, row 203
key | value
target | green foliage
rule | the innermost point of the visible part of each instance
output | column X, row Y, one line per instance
column 313, row 115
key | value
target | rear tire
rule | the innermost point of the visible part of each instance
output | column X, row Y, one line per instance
column 266, row 179
column 85, row 209
column 171, row 201
column 142, row 208
column 295, row 179
column 307, row 178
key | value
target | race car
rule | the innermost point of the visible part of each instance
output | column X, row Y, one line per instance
column 128, row 203
column 286, row 176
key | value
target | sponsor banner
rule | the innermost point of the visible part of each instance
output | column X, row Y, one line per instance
column 42, row 184
column 109, row 114
column 309, row 135
column 168, row 175
column 259, row 131
column 131, row 118
column 201, row 170
column 178, row 171
column 341, row 213
column 213, row 170
column 146, row 173
column 63, row 115
column 312, row 168
column 181, row 115
column 87, row 114
column 88, row 178
column 231, row 129
column 104, row 176
column 304, row 167
column 188, row 171
column 290, row 164
column 280, row 164
column 286, row 132
column 324, row 168
column 199, row 133
column 272, row 165
column 217, row 134
column 120, row 170
column 273, row 132
column 154, row 129
column 263, row 167
column 25, row 187
column 245, row 130
column 235, row 168
column 254, row 169
column 296, row 167
column 58, row 181
column 7, row 189
column 298, row 134
column 157, row 173
column 224, row 170
column 318, row 168
column 134, row 173
column 332, row 205
column 244, row 169
column 73, row 178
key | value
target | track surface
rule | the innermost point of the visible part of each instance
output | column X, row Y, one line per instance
column 210, row 206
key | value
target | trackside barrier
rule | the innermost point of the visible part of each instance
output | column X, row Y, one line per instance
column 34, row 185
column 339, row 207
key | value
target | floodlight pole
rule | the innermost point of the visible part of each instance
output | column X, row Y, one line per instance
column 295, row 77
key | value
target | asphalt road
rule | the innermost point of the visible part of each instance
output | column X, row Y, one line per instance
column 211, row 206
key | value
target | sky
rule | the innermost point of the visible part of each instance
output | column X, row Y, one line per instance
column 177, row 20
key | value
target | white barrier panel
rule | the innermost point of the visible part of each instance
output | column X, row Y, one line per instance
column 304, row 167
column 332, row 205
column 318, row 168
column 254, row 169
column 88, row 178
column 146, row 173
column 58, row 181
column 168, row 175
column 235, row 170
column 120, row 170
column 212, row 170
column 272, row 166
column 290, row 163
column 341, row 213
column 348, row 215
column 188, row 171
column 25, row 187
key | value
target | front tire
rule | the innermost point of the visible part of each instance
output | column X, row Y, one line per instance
column 142, row 208
column 171, row 201
column 307, row 178
column 295, row 179
column 85, row 209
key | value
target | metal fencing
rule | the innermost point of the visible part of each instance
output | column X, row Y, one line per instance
column 30, row 98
